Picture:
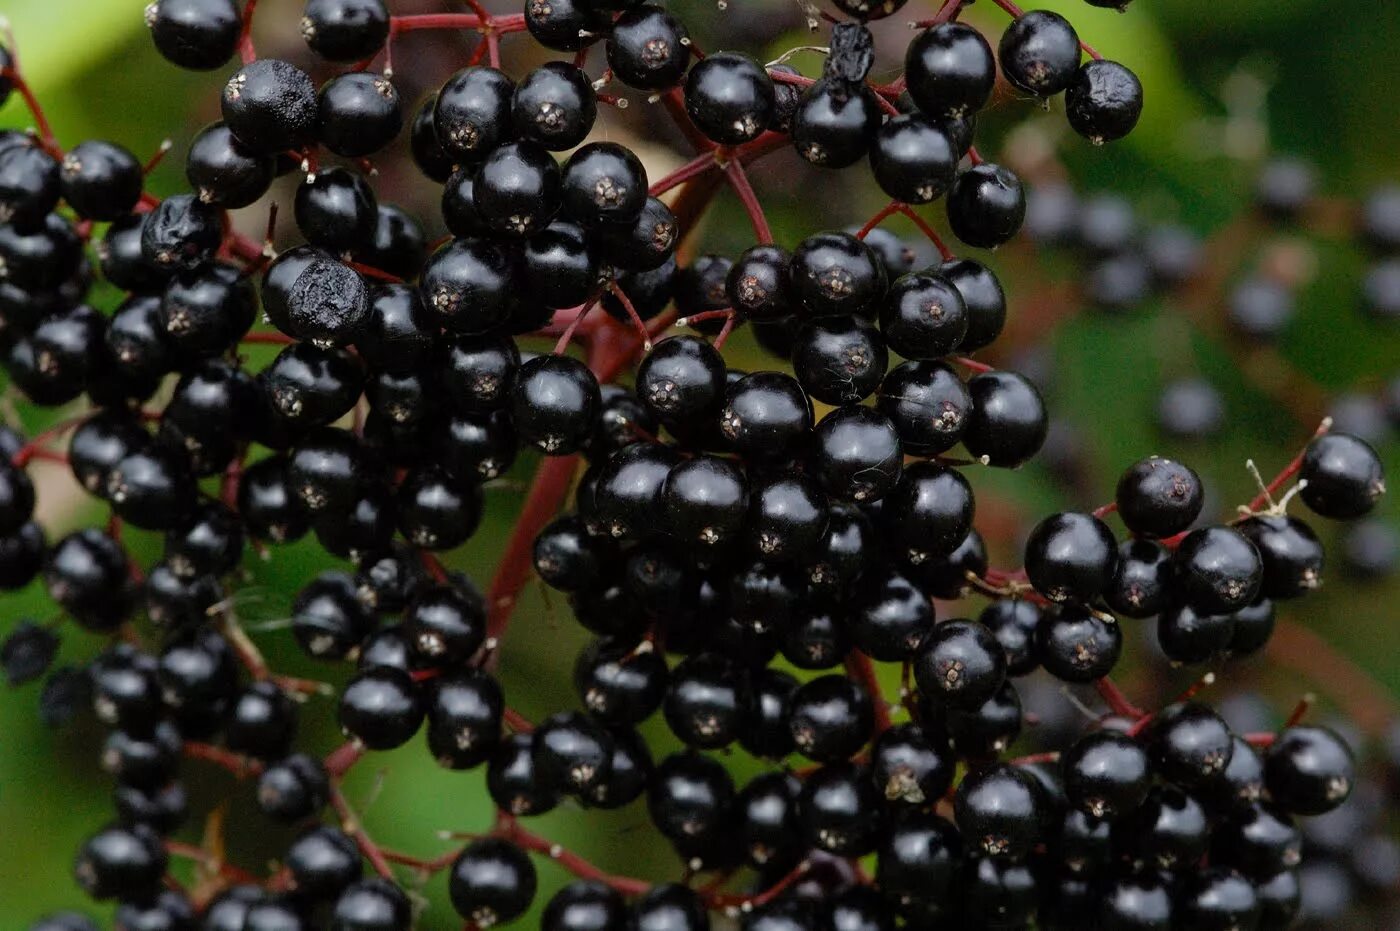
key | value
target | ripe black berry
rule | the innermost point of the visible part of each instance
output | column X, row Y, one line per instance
column 648, row 48
column 1217, row 570
column 986, row 205
column 491, row 881
column 345, row 30
column 1106, row 775
column 120, row 862
column 858, row 456
column 604, row 184
column 572, row 753
column 950, row 70
column 838, row 810
column 182, row 231
column 960, row 663
column 913, row 159
column 1008, row 421
column 729, row 97
column 1103, row 101
column 1071, row 556
column 835, row 123
column 1344, row 476
column 197, row 34
column 1159, row 497
column 839, row 360
column 830, row 718
column 1190, row 744
column 706, row 701
column 1309, row 770
column 100, row 180
column 358, row 114
column 1290, row 552
column 999, row 811
column 1075, row 644
column 381, row 708
column 468, row 285
column 1039, row 53
column 270, row 106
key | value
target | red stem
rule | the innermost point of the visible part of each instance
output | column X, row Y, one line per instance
column 209, row 861
column 567, row 335
column 946, row 13
column 412, row 22
column 739, row 181
column 1290, row 470
column 547, row 493
column 928, row 231
column 35, row 447
column 267, row 336
column 240, row 766
column 696, row 166
column 884, row 214
column 351, row 825
column 41, row 122
column 1117, row 701
column 973, row 364
column 246, row 51
column 860, row 668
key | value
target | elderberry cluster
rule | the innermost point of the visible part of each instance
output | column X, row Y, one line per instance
column 744, row 546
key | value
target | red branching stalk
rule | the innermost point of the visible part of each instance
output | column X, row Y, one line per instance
column 41, row 122
column 748, row 902
column 157, row 158
column 246, row 51
column 269, row 337
column 547, row 493
column 1030, row 759
column 350, row 823
column 884, row 214
column 369, row 271
column 511, row 830
column 1190, row 692
column 432, row 565
column 1117, row 702
column 1299, row 711
column 210, row 862
column 237, row 764
column 517, row 722
column 413, row 22
column 972, row 364
column 739, row 181
column 574, row 325
column 860, row 668
column 946, row 13
column 35, row 447
column 339, row 761
column 1266, row 494
column 638, row 326
column 729, row 323
column 928, row 231
column 696, row 166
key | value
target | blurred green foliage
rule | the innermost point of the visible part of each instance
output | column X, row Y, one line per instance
column 1312, row 73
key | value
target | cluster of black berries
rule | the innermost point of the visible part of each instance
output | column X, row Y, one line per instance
column 722, row 521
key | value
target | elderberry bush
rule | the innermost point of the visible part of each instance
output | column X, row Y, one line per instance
column 827, row 669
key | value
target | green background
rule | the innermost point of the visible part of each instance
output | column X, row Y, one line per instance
column 1308, row 77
